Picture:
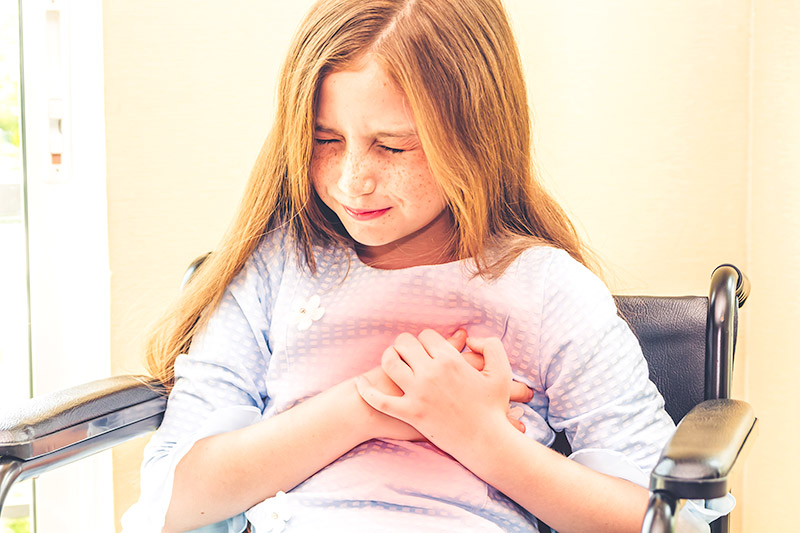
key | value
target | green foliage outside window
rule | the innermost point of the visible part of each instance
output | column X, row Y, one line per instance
column 15, row 525
column 9, row 126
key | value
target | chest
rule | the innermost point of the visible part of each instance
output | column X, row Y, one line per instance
column 326, row 329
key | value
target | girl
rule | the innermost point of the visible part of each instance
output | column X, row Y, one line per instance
column 394, row 277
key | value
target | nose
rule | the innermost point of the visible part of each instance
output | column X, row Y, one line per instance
column 357, row 178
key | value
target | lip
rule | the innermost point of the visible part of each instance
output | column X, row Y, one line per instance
column 365, row 214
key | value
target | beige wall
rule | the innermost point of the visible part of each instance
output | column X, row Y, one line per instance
column 772, row 365
column 641, row 112
column 666, row 128
column 189, row 93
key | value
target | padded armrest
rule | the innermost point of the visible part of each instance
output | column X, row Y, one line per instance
column 696, row 462
column 54, row 421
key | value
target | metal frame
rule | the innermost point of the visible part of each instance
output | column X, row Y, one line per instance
column 669, row 482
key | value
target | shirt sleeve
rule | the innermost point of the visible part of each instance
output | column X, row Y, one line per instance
column 594, row 374
column 220, row 386
column 598, row 386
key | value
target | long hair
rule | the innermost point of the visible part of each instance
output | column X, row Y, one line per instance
column 458, row 64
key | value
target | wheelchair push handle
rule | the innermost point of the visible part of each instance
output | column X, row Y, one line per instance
column 192, row 268
column 728, row 291
column 722, row 273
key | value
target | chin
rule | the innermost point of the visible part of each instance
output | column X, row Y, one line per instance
column 365, row 238
column 372, row 243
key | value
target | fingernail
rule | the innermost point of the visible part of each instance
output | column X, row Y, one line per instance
column 516, row 412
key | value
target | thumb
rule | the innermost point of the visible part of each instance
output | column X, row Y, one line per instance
column 458, row 339
column 375, row 398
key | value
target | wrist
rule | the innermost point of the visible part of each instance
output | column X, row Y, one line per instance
column 477, row 451
column 358, row 416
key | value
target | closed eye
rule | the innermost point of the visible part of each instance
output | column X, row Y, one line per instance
column 325, row 141
column 393, row 150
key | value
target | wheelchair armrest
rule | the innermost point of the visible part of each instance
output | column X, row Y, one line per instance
column 52, row 422
column 52, row 430
column 697, row 460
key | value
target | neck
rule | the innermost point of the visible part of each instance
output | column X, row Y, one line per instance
column 423, row 247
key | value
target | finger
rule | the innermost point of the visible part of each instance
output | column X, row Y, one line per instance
column 411, row 350
column 474, row 360
column 397, row 370
column 458, row 339
column 494, row 354
column 520, row 392
column 436, row 345
column 517, row 424
column 514, row 414
column 476, row 344
column 385, row 403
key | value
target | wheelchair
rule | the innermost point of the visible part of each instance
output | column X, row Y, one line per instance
column 689, row 344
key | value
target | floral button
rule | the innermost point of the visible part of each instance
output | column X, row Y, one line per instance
column 275, row 514
column 308, row 312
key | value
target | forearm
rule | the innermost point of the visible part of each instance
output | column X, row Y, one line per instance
column 565, row 494
column 228, row 473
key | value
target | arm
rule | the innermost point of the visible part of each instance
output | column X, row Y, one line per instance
column 536, row 477
column 591, row 381
column 562, row 492
column 225, row 474
column 213, row 442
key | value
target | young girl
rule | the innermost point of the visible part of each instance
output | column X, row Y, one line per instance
column 395, row 276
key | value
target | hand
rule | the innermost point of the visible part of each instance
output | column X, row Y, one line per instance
column 425, row 368
column 520, row 392
column 381, row 425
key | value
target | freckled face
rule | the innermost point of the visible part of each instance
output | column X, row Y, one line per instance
column 369, row 168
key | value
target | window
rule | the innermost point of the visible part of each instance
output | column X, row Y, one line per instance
column 53, row 238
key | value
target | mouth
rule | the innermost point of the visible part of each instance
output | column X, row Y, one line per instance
column 365, row 214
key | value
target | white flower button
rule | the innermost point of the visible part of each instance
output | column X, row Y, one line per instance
column 274, row 513
column 309, row 312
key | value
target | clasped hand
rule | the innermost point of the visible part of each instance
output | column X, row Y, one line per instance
column 426, row 387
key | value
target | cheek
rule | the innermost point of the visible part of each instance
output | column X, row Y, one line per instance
column 422, row 188
column 414, row 182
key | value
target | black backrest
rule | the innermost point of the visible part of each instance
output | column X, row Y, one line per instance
column 672, row 332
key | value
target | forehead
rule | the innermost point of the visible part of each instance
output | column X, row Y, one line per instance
column 363, row 96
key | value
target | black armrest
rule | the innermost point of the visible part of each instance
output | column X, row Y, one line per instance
column 48, row 431
column 50, row 422
column 54, row 421
column 697, row 461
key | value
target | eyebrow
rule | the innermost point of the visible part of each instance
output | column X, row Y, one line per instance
column 382, row 134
